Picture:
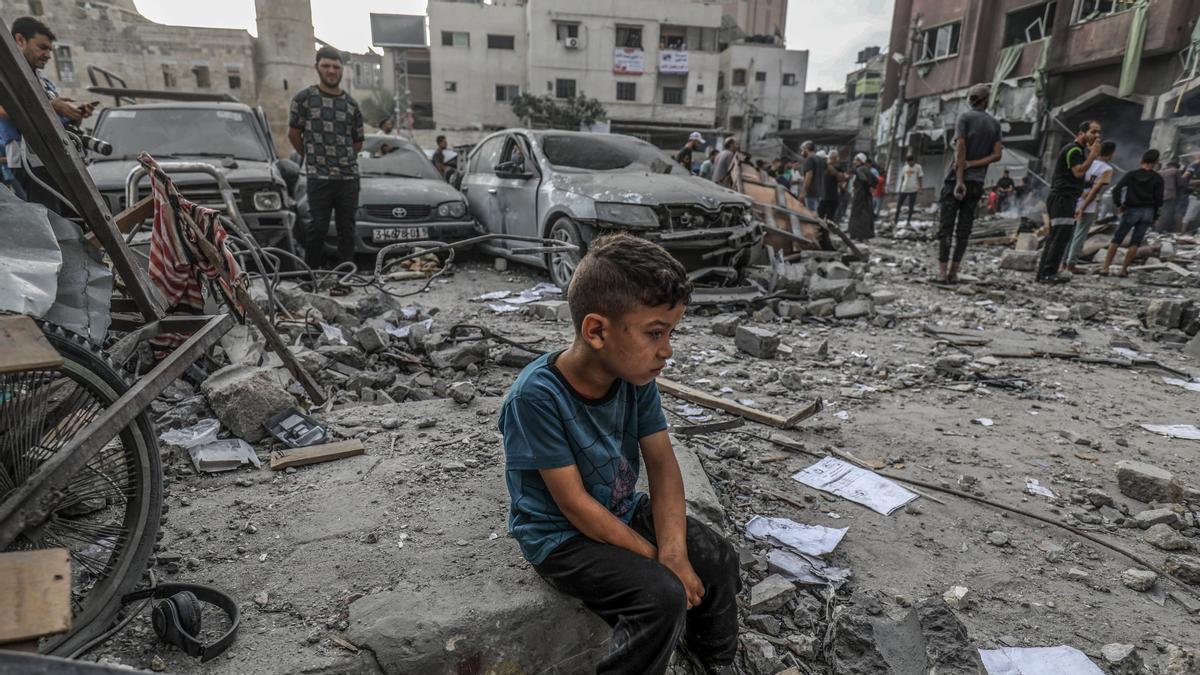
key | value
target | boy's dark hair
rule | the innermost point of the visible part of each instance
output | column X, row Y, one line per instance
column 620, row 272
column 1107, row 148
column 1151, row 156
column 439, row 139
column 1084, row 126
column 328, row 52
column 27, row 27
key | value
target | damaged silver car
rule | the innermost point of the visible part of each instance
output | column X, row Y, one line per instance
column 573, row 186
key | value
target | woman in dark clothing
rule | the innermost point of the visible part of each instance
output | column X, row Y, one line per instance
column 862, row 206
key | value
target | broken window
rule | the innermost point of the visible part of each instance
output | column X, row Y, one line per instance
column 66, row 66
column 505, row 93
column 1029, row 24
column 168, row 72
column 789, row 79
column 672, row 95
column 451, row 87
column 760, row 76
column 564, row 30
column 203, row 78
column 627, row 91
column 500, row 41
column 629, row 37
column 784, row 125
column 736, row 122
column 700, row 39
column 1087, row 10
column 564, row 88
column 602, row 152
column 456, row 38
column 739, row 77
column 234, row 73
column 940, row 42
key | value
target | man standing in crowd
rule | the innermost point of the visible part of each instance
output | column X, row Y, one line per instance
column 1066, row 187
column 726, row 163
column 684, row 156
column 439, row 155
column 36, row 42
column 1139, row 197
column 835, row 175
column 977, row 143
column 1174, row 196
column 814, row 175
column 1096, row 180
column 1005, row 189
column 387, row 126
column 912, row 180
column 706, row 167
column 1191, row 212
column 325, row 126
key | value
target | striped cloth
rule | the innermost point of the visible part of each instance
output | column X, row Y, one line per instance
column 177, row 267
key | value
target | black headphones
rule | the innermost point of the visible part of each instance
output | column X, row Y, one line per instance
column 176, row 616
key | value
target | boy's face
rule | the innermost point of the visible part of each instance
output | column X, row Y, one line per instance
column 636, row 346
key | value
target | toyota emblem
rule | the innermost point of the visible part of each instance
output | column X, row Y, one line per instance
column 399, row 212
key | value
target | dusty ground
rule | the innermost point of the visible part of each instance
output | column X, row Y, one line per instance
column 427, row 505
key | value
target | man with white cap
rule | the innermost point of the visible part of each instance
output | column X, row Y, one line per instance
column 977, row 143
column 684, row 156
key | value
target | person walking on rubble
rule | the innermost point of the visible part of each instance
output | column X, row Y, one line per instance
column 1066, row 187
column 1096, row 182
column 977, row 144
column 1139, row 197
column 325, row 125
column 912, row 179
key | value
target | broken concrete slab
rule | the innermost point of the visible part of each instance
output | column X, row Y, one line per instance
column 345, row 354
column 771, row 594
column 884, row 297
column 372, row 339
column 243, row 398
column 1147, row 519
column 461, row 356
column 834, row 270
column 551, row 310
column 726, row 324
column 1164, row 537
column 823, row 307
column 1165, row 312
column 1185, row 567
column 928, row 638
column 1121, row 659
column 1146, row 482
column 853, row 309
column 700, row 497
column 1019, row 261
column 1139, row 580
column 757, row 342
column 820, row 288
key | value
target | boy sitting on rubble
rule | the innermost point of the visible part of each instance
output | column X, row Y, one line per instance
column 573, row 424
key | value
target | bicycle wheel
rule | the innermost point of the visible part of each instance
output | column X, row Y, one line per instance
column 109, row 514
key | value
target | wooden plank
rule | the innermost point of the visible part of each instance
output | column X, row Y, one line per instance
column 36, row 588
column 313, row 454
column 709, row 401
column 25, row 347
column 127, row 219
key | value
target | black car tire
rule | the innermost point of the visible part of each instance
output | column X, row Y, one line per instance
column 562, row 265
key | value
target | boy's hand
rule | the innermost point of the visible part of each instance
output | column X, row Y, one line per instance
column 687, row 576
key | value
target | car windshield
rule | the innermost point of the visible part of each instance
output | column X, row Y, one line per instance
column 602, row 152
column 393, row 157
column 182, row 132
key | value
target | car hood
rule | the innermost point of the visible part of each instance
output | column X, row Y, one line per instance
column 651, row 189
column 395, row 190
column 110, row 176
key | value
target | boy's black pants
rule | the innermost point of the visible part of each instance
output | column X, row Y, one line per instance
column 645, row 602
column 326, row 198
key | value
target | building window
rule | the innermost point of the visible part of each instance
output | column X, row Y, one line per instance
column 234, row 73
column 699, row 89
column 672, row 95
column 867, row 121
column 1095, row 9
column 169, row 80
column 789, row 79
column 35, row 7
column 701, row 39
column 629, row 36
column 1029, row 24
column 505, row 93
column 739, row 77
column 939, row 42
column 760, row 76
column 64, row 63
column 564, row 30
column 500, row 41
column 456, row 38
column 627, row 91
column 736, row 122
column 451, row 87
column 203, row 79
column 757, row 119
column 784, row 125
column 564, row 88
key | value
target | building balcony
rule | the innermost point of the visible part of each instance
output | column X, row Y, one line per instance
column 1103, row 41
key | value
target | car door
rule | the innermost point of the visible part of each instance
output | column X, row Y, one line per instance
column 480, row 184
column 517, row 182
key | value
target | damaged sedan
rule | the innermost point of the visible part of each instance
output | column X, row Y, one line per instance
column 574, row 186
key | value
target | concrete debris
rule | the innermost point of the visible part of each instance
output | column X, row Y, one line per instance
column 462, row 392
column 1147, row 483
column 771, row 594
column 1167, row 539
column 1147, row 519
column 551, row 310
column 928, row 638
column 1019, row 261
column 853, row 309
column 1139, row 580
column 956, row 597
column 1121, row 659
column 757, row 342
column 1184, row 568
column 820, row 288
column 243, row 398
column 726, row 325
column 461, row 357
column 759, row 655
column 372, row 339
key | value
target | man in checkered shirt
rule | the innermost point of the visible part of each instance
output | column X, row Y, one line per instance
column 325, row 126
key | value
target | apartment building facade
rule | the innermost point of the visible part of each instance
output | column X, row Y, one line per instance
column 761, row 87
column 758, row 17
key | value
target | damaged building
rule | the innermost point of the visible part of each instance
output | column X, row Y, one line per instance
column 1052, row 65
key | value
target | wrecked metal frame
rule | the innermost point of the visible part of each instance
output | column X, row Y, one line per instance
column 27, row 106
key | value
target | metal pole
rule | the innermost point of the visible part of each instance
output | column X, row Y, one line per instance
column 898, row 104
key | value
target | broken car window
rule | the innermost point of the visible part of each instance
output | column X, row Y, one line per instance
column 179, row 132
column 604, row 153
column 392, row 157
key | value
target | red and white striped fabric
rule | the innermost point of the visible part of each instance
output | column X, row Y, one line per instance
column 177, row 267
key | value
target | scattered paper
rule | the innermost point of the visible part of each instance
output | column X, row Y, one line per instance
column 983, row 421
column 1126, row 353
column 858, row 485
column 501, row 308
column 333, row 333
column 809, row 539
column 1187, row 431
column 806, row 569
column 1190, row 386
column 842, row 415
column 1033, row 487
column 495, row 295
column 690, row 410
column 200, row 433
column 1060, row 660
column 403, row 331
column 224, row 455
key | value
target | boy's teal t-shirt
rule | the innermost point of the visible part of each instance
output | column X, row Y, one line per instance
column 547, row 425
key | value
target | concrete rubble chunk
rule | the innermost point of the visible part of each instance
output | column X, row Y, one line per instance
column 820, row 288
column 1192, row 348
column 1122, row 659
column 764, row 315
column 884, row 297
column 759, row 655
column 243, row 398
column 699, row 495
column 371, row 339
column 1084, row 311
column 929, row 638
column 757, row 342
column 461, row 356
column 1167, row 539
column 551, row 310
column 853, row 309
column 771, row 594
column 516, row 358
column 462, row 392
column 1147, row 519
column 956, row 597
column 791, row 310
column 344, row 354
column 726, row 324
column 1146, row 482
column 1186, row 568
column 834, row 270
column 1138, row 580
column 1019, row 261
column 1165, row 313
column 823, row 307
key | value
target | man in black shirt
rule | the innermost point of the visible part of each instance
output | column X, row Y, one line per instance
column 1005, row 188
column 1066, row 186
column 1139, row 196
column 439, row 155
column 813, row 170
column 977, row 143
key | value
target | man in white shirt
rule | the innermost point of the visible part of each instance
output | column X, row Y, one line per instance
column 1097, row 179
column 912, row 178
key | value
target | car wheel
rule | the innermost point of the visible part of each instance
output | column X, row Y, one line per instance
column 562, row 264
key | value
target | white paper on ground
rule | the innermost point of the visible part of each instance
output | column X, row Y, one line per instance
column 858, row 485
column 500, row 309
column 810, row 539
column 806, row 569
column 333, row 333
column 403, row 331
column 1127, row 353
column 1190, row 386
column 494, row 295
column 1060, row 660
column 1188, row 431
column 1033, row 487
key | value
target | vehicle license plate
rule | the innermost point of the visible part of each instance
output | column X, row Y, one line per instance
column 399, row 234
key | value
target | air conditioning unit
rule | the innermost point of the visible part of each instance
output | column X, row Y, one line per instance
column 571, row 43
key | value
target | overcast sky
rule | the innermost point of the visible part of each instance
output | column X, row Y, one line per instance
column 832, row 32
